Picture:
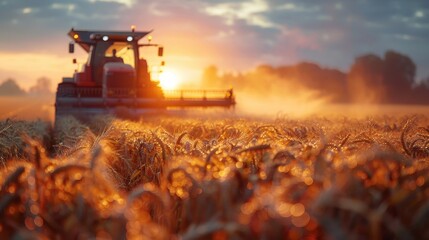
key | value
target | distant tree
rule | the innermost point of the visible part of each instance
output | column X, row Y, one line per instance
column 330, row 83
column 399, row 73
column 366, row 80
column 10, row 88
column 42, row 87
column 420, row 94
column 211, row 77
column 265, row 69
column 425, row 82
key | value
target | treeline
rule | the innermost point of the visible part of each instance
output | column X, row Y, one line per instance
column 10, row 87
column 371, row 79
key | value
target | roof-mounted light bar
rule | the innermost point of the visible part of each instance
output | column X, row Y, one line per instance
column 113, row 38
column 87, row 38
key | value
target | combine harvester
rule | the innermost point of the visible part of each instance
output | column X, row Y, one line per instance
column 116, row 80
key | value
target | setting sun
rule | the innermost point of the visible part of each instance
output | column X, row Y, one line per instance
column 168, row 80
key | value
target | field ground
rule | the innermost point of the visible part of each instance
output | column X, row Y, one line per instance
column 214, row 178
column 36, row 107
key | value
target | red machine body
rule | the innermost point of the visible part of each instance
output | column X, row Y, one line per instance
column 116, row 76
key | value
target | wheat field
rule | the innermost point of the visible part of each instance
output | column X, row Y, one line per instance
column 195, row 178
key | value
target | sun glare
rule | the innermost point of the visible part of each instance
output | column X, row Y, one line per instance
column 168, row 80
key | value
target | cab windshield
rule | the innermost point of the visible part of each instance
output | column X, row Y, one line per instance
column 123, row 51
column 103, row 52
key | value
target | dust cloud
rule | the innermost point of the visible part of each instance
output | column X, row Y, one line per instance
column 27, row 107
column 374, row 85
column 275, row 97
column 267, row 92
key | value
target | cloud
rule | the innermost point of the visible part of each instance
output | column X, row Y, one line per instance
column 36, row 25
column 128, row 3
column 250, row 11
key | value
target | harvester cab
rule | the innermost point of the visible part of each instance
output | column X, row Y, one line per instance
column 116, row 77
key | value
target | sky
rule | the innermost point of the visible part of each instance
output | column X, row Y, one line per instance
column 234, row 35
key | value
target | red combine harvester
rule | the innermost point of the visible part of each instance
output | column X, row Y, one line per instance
column 115, row 80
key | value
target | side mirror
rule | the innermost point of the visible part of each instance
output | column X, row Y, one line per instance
column 160, row 51
column 71, row 47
